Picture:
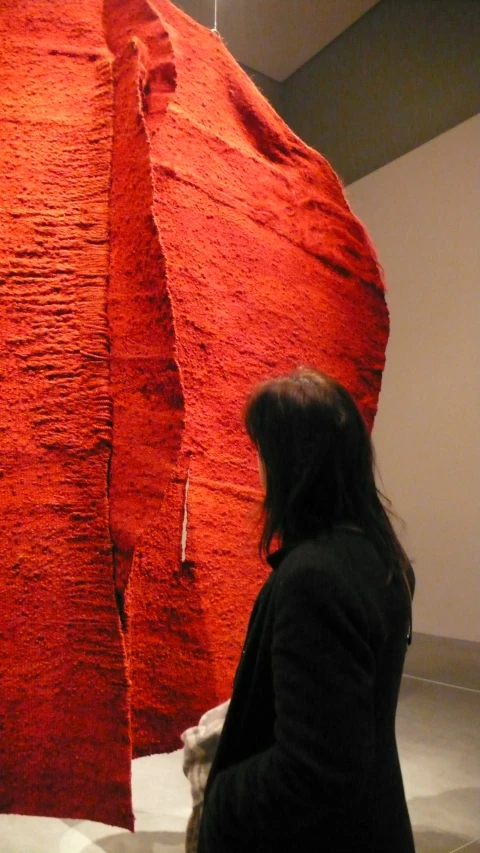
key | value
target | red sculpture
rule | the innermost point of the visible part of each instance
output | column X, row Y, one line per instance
column 166, row 243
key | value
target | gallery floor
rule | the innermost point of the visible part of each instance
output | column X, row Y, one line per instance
column 438, row 725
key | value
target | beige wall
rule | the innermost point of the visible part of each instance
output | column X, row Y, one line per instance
column 423, row 213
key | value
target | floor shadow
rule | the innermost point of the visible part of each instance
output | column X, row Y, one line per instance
column 459, row 809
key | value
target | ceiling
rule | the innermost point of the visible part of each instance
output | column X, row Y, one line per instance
column 276, row 37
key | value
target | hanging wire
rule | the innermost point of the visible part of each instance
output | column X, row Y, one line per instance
column 215, row 29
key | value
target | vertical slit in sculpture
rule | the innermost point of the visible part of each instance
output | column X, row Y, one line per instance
column 119, row 594
column 145, row 381
column 185, row 521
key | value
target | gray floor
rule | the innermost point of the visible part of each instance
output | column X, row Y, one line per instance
column 438, row 726
column 438, row 734
column 439, row 745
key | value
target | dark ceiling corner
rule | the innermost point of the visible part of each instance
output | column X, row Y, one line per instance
column 272, row 90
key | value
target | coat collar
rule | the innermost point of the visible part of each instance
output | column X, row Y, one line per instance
column 275, row 558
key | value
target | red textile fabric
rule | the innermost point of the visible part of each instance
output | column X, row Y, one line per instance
column 64, row 725
column 245, row 257
column 166, row 242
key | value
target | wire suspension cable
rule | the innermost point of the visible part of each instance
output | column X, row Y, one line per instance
column 215, row 13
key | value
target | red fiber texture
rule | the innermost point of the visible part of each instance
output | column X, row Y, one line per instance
column 165, row 243
column 238, row 258
column 64, row 723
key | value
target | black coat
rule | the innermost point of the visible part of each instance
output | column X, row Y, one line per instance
column 307, row 761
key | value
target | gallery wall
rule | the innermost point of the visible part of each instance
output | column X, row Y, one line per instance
column 422, row 211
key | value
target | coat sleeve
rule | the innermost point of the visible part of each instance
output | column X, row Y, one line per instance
column 323, row 677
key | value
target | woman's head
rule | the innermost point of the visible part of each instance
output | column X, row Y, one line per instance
column 318, row 459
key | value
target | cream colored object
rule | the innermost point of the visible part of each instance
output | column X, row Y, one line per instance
column 199, row 751
column 200, row 747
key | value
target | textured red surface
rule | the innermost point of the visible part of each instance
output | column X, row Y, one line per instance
column 233, row 255
column 64, row 728
column 241, row 259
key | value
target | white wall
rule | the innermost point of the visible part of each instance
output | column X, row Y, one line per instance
column 423, row 214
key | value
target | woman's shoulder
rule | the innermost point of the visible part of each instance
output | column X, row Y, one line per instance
column 327, row 551
column 339, row 562
column 315, row 581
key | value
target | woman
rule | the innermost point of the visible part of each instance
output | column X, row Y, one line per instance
column 307, row 760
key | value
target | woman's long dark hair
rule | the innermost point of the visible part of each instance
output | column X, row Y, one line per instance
column 319, row 464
